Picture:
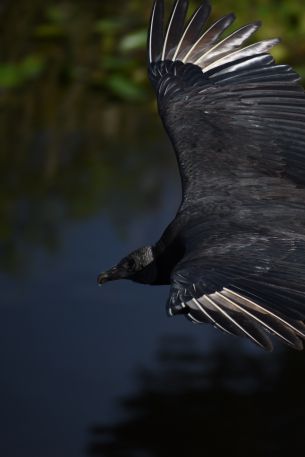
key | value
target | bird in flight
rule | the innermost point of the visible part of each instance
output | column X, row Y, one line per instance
column 234, row 255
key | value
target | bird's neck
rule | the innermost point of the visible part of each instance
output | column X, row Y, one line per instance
column 168, row 251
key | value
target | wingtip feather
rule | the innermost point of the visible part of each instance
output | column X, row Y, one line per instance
column 155, row 34
column 285, row 329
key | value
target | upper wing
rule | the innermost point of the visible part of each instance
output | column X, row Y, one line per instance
column 232, row 114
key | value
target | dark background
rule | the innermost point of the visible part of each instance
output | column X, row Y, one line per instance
column 86, row 175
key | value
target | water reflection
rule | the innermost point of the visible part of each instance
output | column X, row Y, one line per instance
column 59, row 174
column 226, row 402
column 69, row 145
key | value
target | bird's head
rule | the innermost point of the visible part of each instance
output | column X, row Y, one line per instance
column 134, row 266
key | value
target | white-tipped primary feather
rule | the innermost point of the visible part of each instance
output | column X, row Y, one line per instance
column 262, row 60
column 169, row 28
column 260, row 47
column 264, row 324
column 155, row 36
column 252, row 303
column 183, row 36
column 197, row 17
column 205, row 312
column 150, row 32
column 207, row 297
column 209, row 36
column 230, row 43
column 196, row 321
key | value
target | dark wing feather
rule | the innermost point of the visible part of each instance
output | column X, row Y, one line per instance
column 228, row 44
column 174, row 29
column 193, row 30
column 155, row 33
column 237, row 124
column 234, row 112
column 240, row 288
column 208, row 38
column 253, row 126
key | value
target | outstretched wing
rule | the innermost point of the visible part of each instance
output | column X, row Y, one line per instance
column 231, row 113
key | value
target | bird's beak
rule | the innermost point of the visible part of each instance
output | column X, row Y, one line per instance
column 109, row 275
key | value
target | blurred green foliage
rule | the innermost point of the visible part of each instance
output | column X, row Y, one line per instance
column 18, row 73
column 78, row 128
column 97, row 41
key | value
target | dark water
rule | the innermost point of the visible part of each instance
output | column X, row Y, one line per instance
column 70, row 350
column 85, row 177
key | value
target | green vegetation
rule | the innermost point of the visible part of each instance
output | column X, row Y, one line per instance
column 96, row 42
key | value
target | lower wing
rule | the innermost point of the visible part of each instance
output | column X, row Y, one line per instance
column 251, row 289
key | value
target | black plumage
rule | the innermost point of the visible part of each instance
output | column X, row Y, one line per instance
column 235, row 253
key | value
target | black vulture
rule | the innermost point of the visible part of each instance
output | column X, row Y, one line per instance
column 234, row 255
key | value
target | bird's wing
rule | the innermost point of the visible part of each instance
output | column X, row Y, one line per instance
column 232, row 114
column 237, row 124
column 235, row 284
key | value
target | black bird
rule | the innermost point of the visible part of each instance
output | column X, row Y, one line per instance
column 235, row 253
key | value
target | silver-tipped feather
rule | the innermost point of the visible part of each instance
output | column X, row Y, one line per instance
column 207, row 314
column 208, row 38
column 257, row 62
column 193, row 30
column 260, row 47
column 155, row 33
column 247, row 317
column 234, row 321
column 252, row 304
column 190, row 45
column 229, row 44
column 174, row 28
column 290, row 339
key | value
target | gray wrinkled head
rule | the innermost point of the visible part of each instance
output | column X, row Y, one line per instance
column 134, row 266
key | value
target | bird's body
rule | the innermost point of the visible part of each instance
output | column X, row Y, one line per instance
column 235, row 253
